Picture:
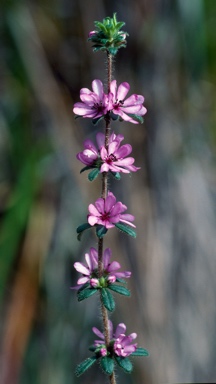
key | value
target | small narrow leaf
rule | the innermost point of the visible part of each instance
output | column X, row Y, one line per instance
column 83, row 227
column 92, row 348
column 101, row 230
column 119, row 280
column 86, row 364
column 95, row 121
column 116, row 175
column 126, row 229
column 124, row 363
column 86, row 293
column 86, row 168
column 93, row 174
column 119, row 289
column 107, row 364
column 107, row 299
column 140, row 352
column 136, row 117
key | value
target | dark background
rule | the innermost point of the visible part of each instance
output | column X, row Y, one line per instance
column 45, row 60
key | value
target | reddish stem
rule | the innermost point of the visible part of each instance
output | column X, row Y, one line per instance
column 104, row 193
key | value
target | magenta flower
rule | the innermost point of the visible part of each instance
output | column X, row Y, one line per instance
column 90, row 272
column 123, row 346
column 94, row 104
column 91, row 154
column 113, row 159
column 121, row 107
column 108, row 213
column 121, row 343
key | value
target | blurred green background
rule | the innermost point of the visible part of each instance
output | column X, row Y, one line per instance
column 45, row 60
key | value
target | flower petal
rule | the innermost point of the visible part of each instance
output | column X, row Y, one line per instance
column 97, row 87
column 80, row 267
column 99, row 203
column 93, row 210
column 134, row 100
column 82, row 280
column 118, row 208
column 121, row 328
column 100, row 138
column 94, row 257
column 92, row 220
column 134, row 109
column 113, row 266
column 106, row 257
column 98, row 333
column 123, row 90
column 123, row 151
column 113, row 88
column 109, row 202
column 125, row 274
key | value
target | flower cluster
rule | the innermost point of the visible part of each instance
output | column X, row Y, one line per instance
column 97, row 104
column 120, row 344
column 108, row 212
column 113, row 158
column 90, row 272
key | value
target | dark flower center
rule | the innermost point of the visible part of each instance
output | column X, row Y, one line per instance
column 118, row 104
column 98, row 106
column 110, row 159
column 105, row 216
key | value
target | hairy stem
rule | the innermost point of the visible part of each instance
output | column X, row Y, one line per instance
column 104, row 193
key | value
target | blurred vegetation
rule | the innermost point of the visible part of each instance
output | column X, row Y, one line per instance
column 45, row 60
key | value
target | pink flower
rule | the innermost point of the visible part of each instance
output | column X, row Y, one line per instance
column 122, row 344
column 107, row 212
column 90, row 271
column 113, row 159
column 115, row 156
column 91, row 154
column 94, row 104
column 121, row 107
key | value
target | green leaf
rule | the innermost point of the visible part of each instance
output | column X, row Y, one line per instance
column 140, row 352
column 119, row 289
column 81, row 229
column 86, row 168
column 107, row 364
column 136, row 117
column 107, row 299
column 120, row 24
column 86, row 293
column 116, row 175
column 112, row 50
column 124, row 363
column 119, row 280
column 93, row 174
column 86, row 364
column 126, row 229
column 95, row 121
column 101, row 230
column 92, row 348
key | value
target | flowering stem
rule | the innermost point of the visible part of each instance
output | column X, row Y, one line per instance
column 104, row 193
